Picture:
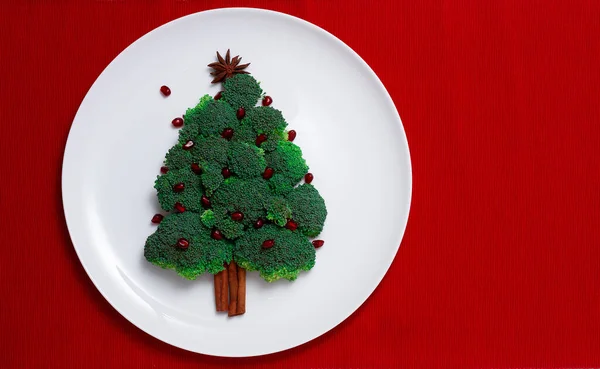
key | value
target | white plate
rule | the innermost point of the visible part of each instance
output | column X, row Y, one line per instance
column 348, row 129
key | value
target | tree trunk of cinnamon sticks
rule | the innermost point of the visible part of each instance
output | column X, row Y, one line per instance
column 230, row 284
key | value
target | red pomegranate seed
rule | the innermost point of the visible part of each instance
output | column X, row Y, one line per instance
column 180, row 208
column 308, row 177
column 318, row 243
column 260, row 139
column 183, row 244
column 291, row 135
column 179, row 187
column 237, row 216
column 188, row 145
column 227, row 133
column 157, row 218
column 196, row 168
column 267, row 101
column 268, row 173
column 267, row 244
column 164, row 170
column 219, row 95
column 259, row 223
column 241, row 113
column 216, row 234
column 165, row 90
column 177, row 122
column 205, row 201
column 291, row 225
column 226, row 173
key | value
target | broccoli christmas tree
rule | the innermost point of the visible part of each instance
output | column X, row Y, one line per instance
column 231, row 186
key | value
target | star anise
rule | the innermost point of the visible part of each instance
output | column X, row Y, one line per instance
column 226, row 68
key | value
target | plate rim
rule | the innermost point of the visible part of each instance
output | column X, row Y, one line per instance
column 390, row 102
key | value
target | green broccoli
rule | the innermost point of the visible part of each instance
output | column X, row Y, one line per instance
column 273, row 140
column 291, row 253
column 209, row 120
column 308, row 209
column 228, row 227
column 190, row 128
column 211, row 177
column 245, row 196
column 189, row 197
column 287, row 160
column 278, row 211
column 280, row 185
column 244, row 133
column 246, row 161
column 241, row 90
column 211, row 149
column 202, row 255
column 178, row 158
column 208, row 218
column 265, row 119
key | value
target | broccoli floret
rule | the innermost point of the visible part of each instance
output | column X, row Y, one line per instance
column 208, row 120
column 211, row 149
column 244, row 133
column 287, row 160
column 308, row 209
column 280, row 185
column 273, row 140
column 241, row 90
column 245, row 160
column 265, row 119
column 203, row 254
column 291, row 253
column 211, row 177
column 278, row 211
column 208, row 218
column 178, row 158
column 228, row 227
column 189, row 197
column 245, row 196
column 190, row 128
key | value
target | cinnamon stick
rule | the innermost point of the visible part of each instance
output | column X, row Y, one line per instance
column 220, row 283
column 233, row 288
column 241, row 295
column 224, row 290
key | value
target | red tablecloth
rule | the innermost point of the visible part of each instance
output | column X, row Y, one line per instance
column 500, row 262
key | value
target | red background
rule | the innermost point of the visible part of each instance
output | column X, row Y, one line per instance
column 500, row 262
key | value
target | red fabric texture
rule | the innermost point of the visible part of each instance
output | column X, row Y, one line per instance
column 499, row 266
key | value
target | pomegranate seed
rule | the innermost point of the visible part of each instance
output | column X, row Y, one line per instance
column 268, row 173
column 164, row 170
column 179, row 187
column 308, row 177
column 291, row 135
column 183, row 244
column 216, row 234
column 291, row 225
column 177, row 122
column 259, row 223
column 267, row 244
column 241, row 113
column 226, row 173
column 180, row 208
column 267, row 101
column 219, row 95
column 196, row 168
column 157, row 218
column 165, row 90
column 188, row 145
column 205, row 201
column 227, row 133
column 237, row 216
column 260, row 139
column 318, row 243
